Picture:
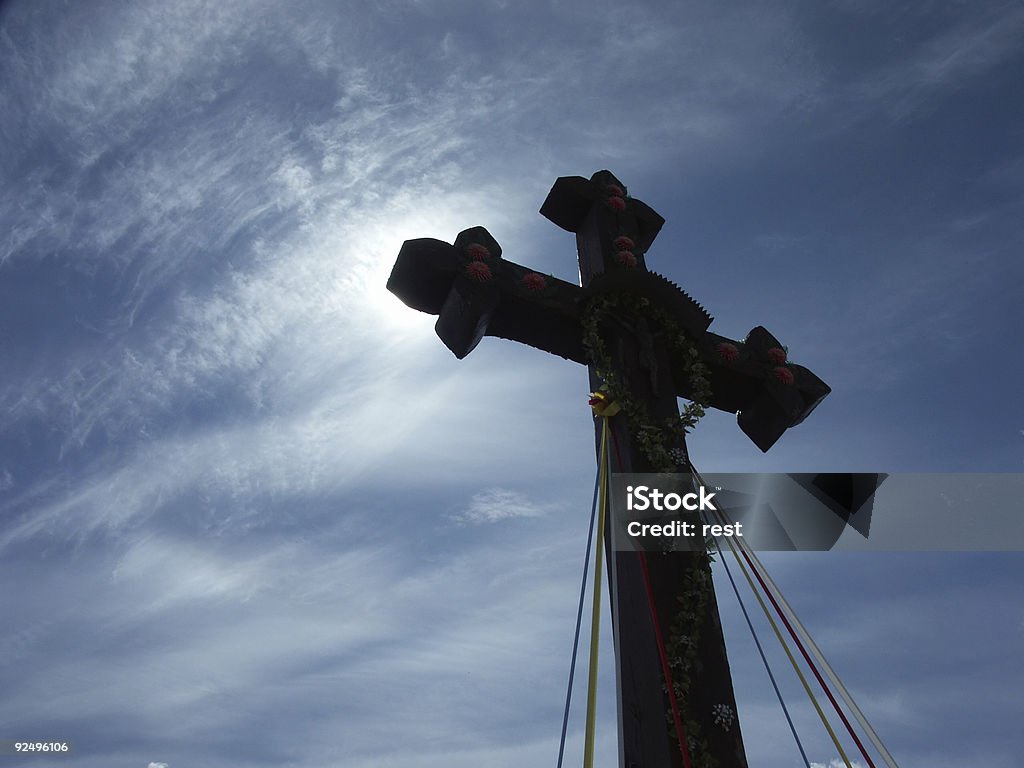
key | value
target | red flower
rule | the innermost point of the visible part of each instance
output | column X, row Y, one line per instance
column 535, row 282
column 478, row 252
column 617, row 203
column 626, row 258
column 783, row 374
column 623, row 243
column 477, row 270
column 727, row 352
column 615, row 189
column 777, row 355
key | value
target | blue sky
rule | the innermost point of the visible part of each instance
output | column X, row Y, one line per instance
column 252, row 512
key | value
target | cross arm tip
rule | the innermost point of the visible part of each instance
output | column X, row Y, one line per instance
column 423, row 274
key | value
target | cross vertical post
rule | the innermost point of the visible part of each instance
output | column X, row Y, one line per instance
column 591, row 210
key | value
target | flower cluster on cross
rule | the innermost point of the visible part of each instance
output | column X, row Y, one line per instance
column 624, row 244
column 477, row 268
column 777, row 356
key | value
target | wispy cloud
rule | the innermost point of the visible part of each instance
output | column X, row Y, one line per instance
column 325, row 631
column 945, row 62
column 497, row 504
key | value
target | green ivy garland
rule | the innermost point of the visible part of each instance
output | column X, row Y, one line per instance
column 681, row 649
column 656, row 442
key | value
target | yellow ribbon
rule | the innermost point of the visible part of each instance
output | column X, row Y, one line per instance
column 595, row 616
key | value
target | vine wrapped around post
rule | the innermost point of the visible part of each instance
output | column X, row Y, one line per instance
column 657, row 441
column 660, row 444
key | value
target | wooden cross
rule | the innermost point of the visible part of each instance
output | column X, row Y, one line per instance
column 476, row 293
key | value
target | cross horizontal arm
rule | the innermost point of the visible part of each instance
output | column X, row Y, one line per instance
column 475, row 293
column 753, row 379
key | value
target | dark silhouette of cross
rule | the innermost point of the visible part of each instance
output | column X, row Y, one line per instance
column 477, row 293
